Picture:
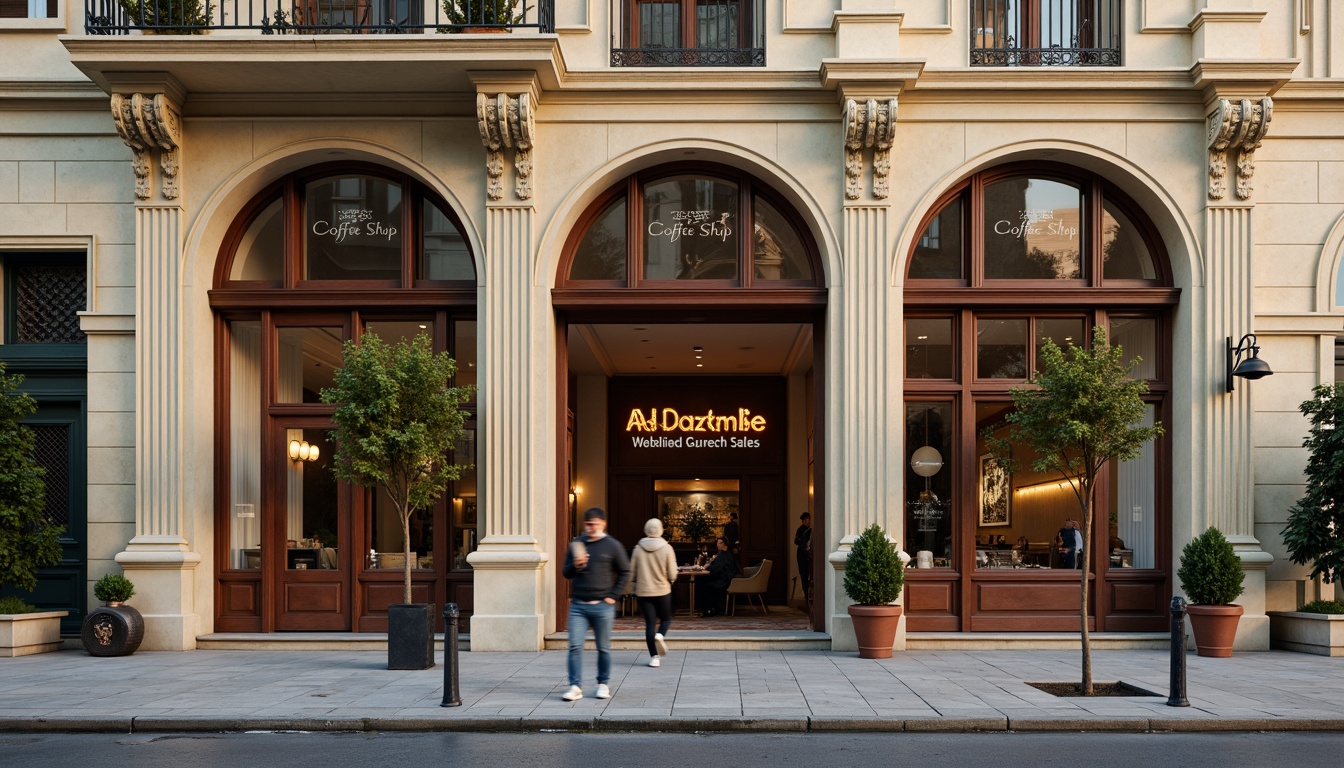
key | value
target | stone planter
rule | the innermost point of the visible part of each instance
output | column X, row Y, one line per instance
column 410, row 636
column 115, row 629
column 1215, row 628
column 875, row 629
column 23, row 634
column 1318, row 633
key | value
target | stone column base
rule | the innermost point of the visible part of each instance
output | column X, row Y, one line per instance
column 165, row 588
column 1253, row 629
column 509, row 610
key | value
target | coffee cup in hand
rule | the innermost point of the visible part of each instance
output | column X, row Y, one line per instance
column 579, row 553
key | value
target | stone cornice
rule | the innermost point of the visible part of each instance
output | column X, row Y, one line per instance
column 863, row 79
column 1214, row 15
column 1241, row 78
column 52, row 94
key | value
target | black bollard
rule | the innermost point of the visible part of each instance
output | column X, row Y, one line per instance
column 1177, row 698
column 450, row 695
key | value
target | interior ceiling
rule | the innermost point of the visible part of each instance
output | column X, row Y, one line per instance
column 735, row 349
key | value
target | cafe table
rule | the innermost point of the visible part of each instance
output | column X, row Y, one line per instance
column 690, row 575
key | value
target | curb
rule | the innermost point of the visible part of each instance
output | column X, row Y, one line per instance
column 639, row 724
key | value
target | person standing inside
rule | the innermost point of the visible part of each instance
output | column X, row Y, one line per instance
column 802, row 539
column 732, row 533
column 653, row 568
column 714, row 591
column 1067, row 539
column 598, row 570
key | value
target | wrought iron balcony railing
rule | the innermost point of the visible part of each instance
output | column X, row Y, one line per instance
column 688, row 33
column 314, row 17
column 1045, row 33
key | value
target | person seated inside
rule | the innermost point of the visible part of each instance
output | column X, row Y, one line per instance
column 712, row 590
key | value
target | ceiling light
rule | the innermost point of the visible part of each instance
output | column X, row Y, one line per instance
column 921, row 338
column 699, row 365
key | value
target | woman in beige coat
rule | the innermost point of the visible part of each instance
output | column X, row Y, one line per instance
column 653, row 568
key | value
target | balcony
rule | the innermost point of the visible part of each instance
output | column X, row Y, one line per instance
column 307, row 17
column 1045, row 33
column 688, row 33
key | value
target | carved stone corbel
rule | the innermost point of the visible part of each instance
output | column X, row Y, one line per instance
column 123, row 116
column 150, row 123
column 871, row 125
column 165, row 128
column 854, row 130
column 882, row 128
column 487, row 118
column 524, row 120
column 507, row 122
column 1236, row 127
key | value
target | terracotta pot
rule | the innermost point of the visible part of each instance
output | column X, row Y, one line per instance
column 875, row 629
column 1215, row 628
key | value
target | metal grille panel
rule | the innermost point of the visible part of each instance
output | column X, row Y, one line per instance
column 47, row 300
column 53, row 455
column 1045, row 33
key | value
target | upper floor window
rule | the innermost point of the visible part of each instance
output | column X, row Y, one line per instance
column 44, row 294
column 679, row 223
column 28, row 9
column 1045, row 33
column 690, row 33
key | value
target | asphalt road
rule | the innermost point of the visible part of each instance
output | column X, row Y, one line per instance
column 994, row 750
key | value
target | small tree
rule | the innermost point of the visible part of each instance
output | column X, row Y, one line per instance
column 874, row 574
column 1080, row 415
column 28, row 540
column 1315, row 531
column 397, row 420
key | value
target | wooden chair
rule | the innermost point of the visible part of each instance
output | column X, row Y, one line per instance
column 750, row 585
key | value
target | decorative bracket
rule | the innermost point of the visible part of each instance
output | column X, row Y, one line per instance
column 1236, row 127
column 507, row 122
column 869, row 126
column 151, row 123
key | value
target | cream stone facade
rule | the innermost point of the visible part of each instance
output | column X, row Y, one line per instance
column 1222, row 125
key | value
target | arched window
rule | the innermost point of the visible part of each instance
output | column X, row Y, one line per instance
column 1006, row 260
column 675, row 224
column 316, row 260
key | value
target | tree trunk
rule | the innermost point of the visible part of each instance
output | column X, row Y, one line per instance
column 406, row 554
column 1086, row 686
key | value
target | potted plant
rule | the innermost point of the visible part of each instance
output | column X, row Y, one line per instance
column 483, row 15
column 175, row 17
column 28, row 540
column 695, row 527
column 1314, row 534
column 398, row 418
column 115, row 629
column 874, row 576
column 1211, row 575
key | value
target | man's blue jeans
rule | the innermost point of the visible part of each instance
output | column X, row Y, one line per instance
column 599, row 617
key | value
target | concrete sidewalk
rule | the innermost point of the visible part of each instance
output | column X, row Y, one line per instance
column 692, row 691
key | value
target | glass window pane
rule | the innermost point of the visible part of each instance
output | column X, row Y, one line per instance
column 445, row 255
column 308, row 358
column 1133, row 506
column 352, row 230
column 938, row 254
column 929, row 352
column 717, row 23
column 1137, row 337
column 659, row 24
column 928, row 522
column 310, row 501
column 690, row 229
column 466, row 519
column 389, row 551
column 777, row 252
column 245, row 444
column 1123, row 252
column 1032, row 230
column 464, row 352
column 396, row 331
column 601, row 254
column 1001, row 348
column 1063, row 331
column 261, row 252
column 1017, row 514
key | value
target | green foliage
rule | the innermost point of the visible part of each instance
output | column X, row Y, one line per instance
column 10, row 604
column 695, row 525
column 1333, row 607
column 179, row 17
column 28, row 540
column 113, row 588
column 1315, row 531
column 1210, row 572
column 874, row 573
column 483, row 12
column 398, row 418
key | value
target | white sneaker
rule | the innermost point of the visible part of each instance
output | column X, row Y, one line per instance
column 603, row 692
column 575, row 693
column 660, row 644
column 654, row 662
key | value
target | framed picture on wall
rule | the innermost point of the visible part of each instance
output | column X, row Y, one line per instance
column 996, row 491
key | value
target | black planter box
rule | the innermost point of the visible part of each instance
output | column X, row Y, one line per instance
column 410, row 636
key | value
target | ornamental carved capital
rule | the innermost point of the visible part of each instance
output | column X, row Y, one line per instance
column 1236, row 128
column 507, row 123
column 151, row 124
column 868, row 126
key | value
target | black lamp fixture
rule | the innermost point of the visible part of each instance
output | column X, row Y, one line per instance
column 1251, row 368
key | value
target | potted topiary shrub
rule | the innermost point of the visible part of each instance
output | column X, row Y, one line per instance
column 170, row 17
column 115, row 629
column 874, row 576
column 1211, row 575
column 483, row 15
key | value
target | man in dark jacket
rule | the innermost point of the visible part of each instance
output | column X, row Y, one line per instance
column 598, row 569
column 713, row 590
